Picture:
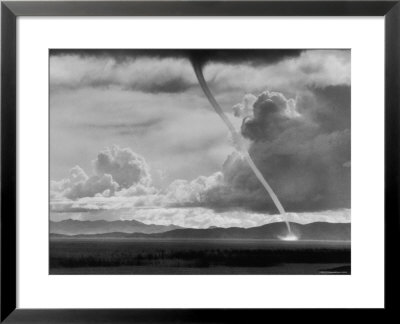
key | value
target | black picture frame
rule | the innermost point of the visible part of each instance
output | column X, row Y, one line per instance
column 10, row 11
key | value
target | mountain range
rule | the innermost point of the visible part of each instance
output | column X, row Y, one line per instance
column 76, row 227
column 135, row 229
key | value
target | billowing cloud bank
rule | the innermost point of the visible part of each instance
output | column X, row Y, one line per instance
column 117, row 171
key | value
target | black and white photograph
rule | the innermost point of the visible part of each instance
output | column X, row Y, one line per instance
column 200, row 161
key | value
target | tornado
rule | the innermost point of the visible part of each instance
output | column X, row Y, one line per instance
column 237, row 138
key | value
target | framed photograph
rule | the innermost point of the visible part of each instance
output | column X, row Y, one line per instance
column 176, row 161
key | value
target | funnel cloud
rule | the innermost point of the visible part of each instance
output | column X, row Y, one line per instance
column 238, row 141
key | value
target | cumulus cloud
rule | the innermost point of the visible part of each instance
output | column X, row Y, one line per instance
column 125, row 166
column 183, row 192
column 117, row 171
column 272, row 113
column 303, row 158
column 79, row 184
column 245, row 108
column 305, row 175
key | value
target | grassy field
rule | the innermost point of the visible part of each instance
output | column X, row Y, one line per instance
column 143, row 256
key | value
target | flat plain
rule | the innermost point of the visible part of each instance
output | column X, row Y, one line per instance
column 197, row 256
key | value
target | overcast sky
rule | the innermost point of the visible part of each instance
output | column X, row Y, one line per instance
column 133, row 136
